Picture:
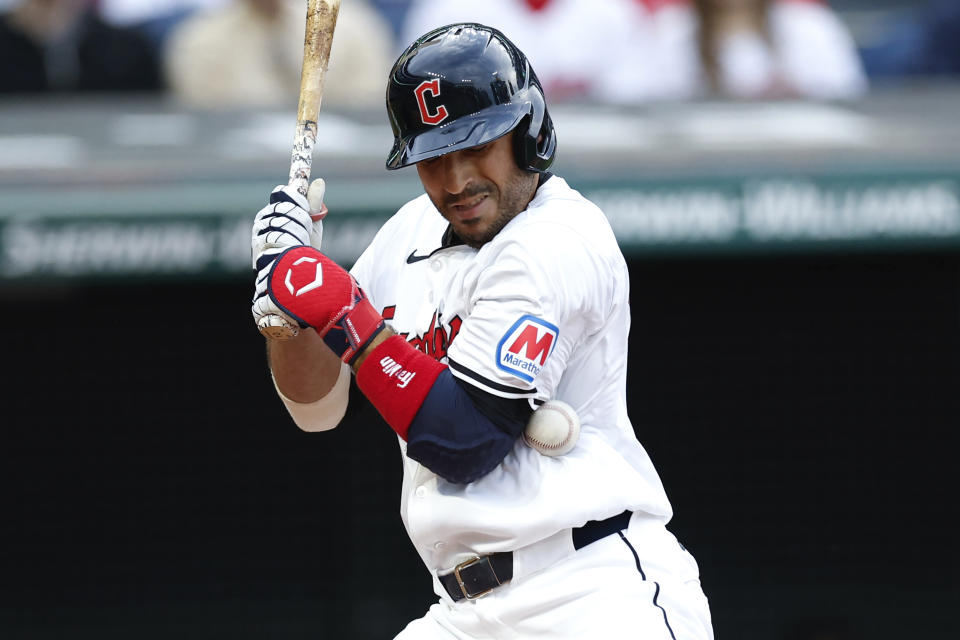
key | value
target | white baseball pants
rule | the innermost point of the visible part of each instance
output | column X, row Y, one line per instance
column 639, row 583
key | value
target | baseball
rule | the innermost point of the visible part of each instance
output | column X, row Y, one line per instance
column 553, row 429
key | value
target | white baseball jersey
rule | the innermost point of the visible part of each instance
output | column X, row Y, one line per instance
column 539, row 312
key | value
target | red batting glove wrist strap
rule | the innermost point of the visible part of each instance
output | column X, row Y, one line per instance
column 397, row 378
column 360, row 325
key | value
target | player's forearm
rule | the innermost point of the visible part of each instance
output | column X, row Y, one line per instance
column 374, row 343
column 304, row 369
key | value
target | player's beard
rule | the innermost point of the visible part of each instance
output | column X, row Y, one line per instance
column 511, row 200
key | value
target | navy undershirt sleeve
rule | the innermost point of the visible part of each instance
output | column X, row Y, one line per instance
column 462, row 433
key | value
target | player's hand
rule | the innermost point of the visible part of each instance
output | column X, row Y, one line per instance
column 289, row 220
column 312, row 290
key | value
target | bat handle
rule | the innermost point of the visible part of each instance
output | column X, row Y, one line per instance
column 273, row 326
column 302, row 157
column 300, row 164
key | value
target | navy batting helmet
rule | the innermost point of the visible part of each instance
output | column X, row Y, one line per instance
column 461, row 86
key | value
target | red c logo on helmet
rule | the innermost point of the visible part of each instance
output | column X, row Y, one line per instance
column 433, row 87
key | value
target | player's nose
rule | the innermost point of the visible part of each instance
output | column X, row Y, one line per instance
column 457, row 173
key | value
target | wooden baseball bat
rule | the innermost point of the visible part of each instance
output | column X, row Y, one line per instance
column 321, row 21
column 318, row 36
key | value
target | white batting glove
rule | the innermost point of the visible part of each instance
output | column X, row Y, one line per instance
column 286, row 222
column 289, row 220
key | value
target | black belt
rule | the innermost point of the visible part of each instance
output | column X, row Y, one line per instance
column 481, row 575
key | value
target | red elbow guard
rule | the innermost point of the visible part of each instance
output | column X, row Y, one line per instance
column 396, row 378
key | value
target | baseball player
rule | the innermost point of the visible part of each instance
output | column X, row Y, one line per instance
column 497, row 290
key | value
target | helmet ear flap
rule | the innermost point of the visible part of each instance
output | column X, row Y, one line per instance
column 536, row 146
column 524, row 147
column 546, row 143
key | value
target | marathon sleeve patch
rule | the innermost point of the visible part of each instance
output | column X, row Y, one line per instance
column 525, row 347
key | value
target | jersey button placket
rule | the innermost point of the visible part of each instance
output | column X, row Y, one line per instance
column 419, row 512
column 425, row 319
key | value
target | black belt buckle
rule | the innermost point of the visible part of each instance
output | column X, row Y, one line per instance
column 479, row 572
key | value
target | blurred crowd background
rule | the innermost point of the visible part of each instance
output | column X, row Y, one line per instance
column 210, row 53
